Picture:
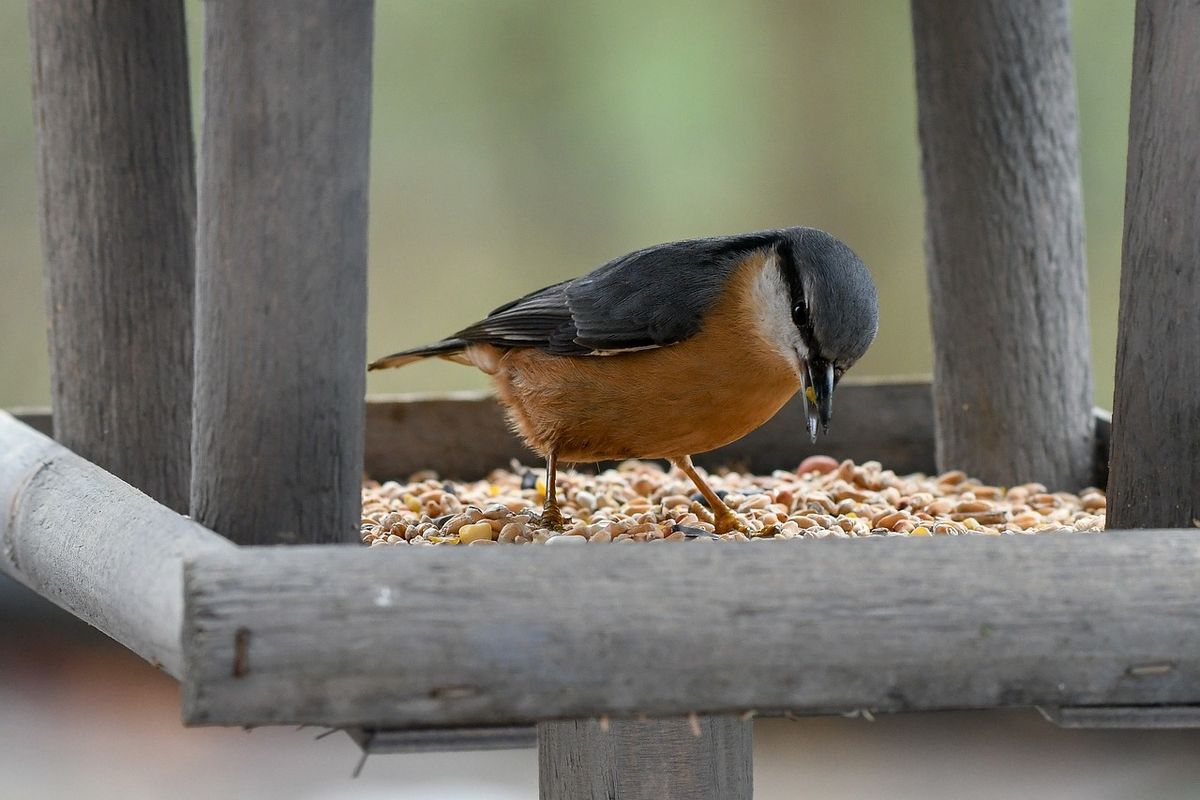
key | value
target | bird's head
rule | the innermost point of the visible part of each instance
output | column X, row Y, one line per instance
column 834, row 309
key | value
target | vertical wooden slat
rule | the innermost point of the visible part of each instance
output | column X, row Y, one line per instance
column 1004, row 239
column 114, row 142
column 677, row 758
column 1154, row 480
column 282, row 270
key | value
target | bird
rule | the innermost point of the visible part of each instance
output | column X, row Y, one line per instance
column 672, row 350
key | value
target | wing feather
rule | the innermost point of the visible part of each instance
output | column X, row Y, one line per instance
column 649, row 298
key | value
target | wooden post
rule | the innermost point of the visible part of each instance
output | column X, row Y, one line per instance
column 282, row 270
column 689, row 758
column 113, row 126
column 1004, row 227
column 1155, row 473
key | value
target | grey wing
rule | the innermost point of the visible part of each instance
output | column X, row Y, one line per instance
column 541, row 319
column 649, row 298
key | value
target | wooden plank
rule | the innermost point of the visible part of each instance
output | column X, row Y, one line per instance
column 439, row 740
column 1004, row 223
column 1156, row 409
column 676, row 758
column 94, row 545
column 282, row 270
column 114, row 141
column 420, row 637
column 464, row 435
column 1124, row 717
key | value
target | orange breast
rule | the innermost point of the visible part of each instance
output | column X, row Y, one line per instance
column 671, row 401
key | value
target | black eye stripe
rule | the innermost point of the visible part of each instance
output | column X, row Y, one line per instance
column 800, row 315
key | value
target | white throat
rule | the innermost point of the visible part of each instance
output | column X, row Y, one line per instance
column 772, row 304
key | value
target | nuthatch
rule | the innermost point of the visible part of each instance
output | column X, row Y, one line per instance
column 672, row 350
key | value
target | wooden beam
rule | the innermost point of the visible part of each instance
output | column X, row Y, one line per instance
column 699, row 758
column 436, row 740
column 94, row 545
column 282, row 270
column 463, row 435
column 112, row 118
column 1155, row 477
column 1004, row 223
column 422, row 637
column 1124, row 717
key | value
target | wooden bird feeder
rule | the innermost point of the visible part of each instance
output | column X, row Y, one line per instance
column 208, row 343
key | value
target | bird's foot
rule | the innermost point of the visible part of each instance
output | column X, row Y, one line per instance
column 728, row 522
column 552, row 518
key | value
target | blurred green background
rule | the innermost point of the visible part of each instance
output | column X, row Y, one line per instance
column 519, row 143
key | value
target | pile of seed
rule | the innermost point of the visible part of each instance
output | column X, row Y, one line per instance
column 641, row 502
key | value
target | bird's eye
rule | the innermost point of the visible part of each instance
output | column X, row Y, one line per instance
column 800, row 315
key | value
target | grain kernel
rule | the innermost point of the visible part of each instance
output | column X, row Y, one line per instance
column 475, row 531
column 821, row 465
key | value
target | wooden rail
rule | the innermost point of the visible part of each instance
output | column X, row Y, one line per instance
column 94, row 545
column 464, row 435
column 438, row 636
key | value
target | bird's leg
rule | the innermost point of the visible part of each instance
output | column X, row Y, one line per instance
column 723, row 517
column 552, row 518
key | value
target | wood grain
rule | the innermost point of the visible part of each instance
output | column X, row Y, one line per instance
column 676, row 758
column 465, row 436
column 438, row 636
column 281, row 270
column 94, row 545
column 435, row 740
column 1155, row 478
column 1124, row 717
column 1004, row 239
column 462, row 435
column 112, row 122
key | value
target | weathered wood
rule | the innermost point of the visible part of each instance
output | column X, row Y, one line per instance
column 464, row 435
column 1124, row 717
column 282, row 270
column 440, row 636
column 676, row 758
column 435, row 740
column 114, row 141
column 1004, row 239
column 94, row 545
column 1155, row 476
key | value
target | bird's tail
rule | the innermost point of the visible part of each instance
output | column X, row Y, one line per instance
column 444, row 348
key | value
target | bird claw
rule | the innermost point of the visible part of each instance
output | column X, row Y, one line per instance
column 729, row 522
column 552, row 519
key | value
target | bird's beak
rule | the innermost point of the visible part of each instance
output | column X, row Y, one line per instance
column 817, row 379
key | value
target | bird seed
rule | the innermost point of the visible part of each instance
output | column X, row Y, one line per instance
column 641, row 502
